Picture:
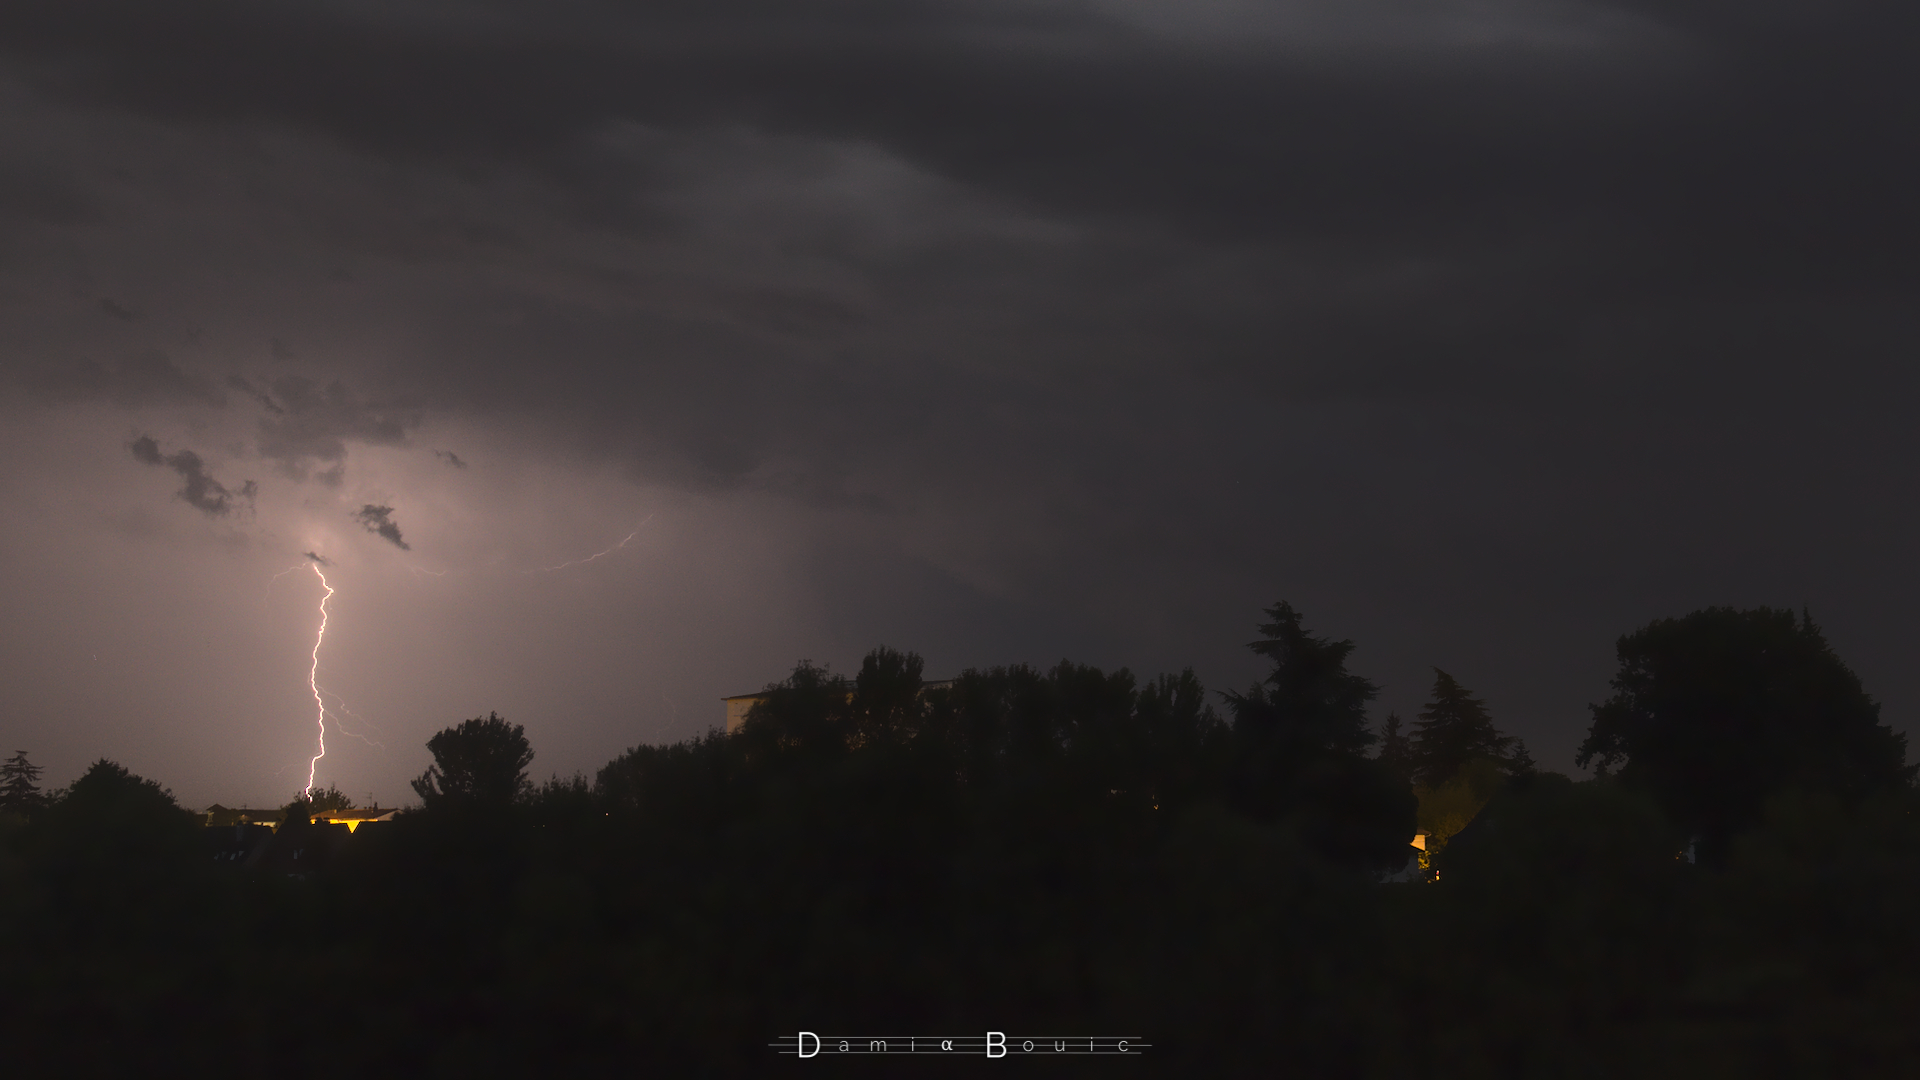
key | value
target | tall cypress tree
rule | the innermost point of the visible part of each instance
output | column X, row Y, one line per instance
column 1454, row 729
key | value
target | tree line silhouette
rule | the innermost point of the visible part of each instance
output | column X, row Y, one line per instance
column 1062, row 848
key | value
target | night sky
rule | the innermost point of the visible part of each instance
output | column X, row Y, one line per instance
column 999, row 330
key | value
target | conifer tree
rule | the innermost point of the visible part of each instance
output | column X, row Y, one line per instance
column 1310, row 702
column 19, row 784
column 1454, row 730
column 1298, row 751
column 1396, row 750
column 1519, row 761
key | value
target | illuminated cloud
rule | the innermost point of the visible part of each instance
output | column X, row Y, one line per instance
column 309, row 426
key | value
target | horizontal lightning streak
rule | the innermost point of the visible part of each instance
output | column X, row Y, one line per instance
column 595, row 555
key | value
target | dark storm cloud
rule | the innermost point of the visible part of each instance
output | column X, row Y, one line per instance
column 318, row 558
column 265, row 399
column 1439, row 199
column 148, row 377
column 312, row 424
column 379, row 521
column 199, row 489
column 33, row 191
column 450, row 458
column 1466, row 313
column 1756, row 137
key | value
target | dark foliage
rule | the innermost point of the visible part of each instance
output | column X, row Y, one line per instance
column 478, row 765
column 1050, row 849
column 1396, row 750
column 1455, row 728
column 1310, row 701
column 326, row 799
column 106, row 828
column 1297, row 747
column 1720, row 710
column 20, row 785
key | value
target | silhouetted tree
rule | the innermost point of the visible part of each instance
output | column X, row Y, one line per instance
column 1716, row 711
column 886, row 705
column 20, row 785
column 1454, row 729
column 809, row 715
column 112, row 824
column 1310, row 699
column 323, row 800
column 1003, row 725
column 1298, row 740
column 564, row 801
column 1177, row 744
column 1396, row 750
column 1520, row 760
column 691, row 781
column 477, row 764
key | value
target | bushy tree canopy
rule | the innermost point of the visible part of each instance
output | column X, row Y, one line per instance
column 323, row 800
column 477, row 764
column 111, row 822
column 1716, row 711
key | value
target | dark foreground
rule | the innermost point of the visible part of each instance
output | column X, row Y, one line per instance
column 679, row 935
column 1061, row 852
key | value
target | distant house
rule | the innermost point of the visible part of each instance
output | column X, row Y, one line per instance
column 353, row 819
column 737, row 707
column 738, row 704
column 260, row 838
column 217, row 815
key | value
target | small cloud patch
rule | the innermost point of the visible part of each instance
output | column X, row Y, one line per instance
column 378, row 520
column 198, row 489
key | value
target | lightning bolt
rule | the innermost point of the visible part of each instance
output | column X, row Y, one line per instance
column 342, row 709
column 595, row 555
column 264, row 597
column 313, row 678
